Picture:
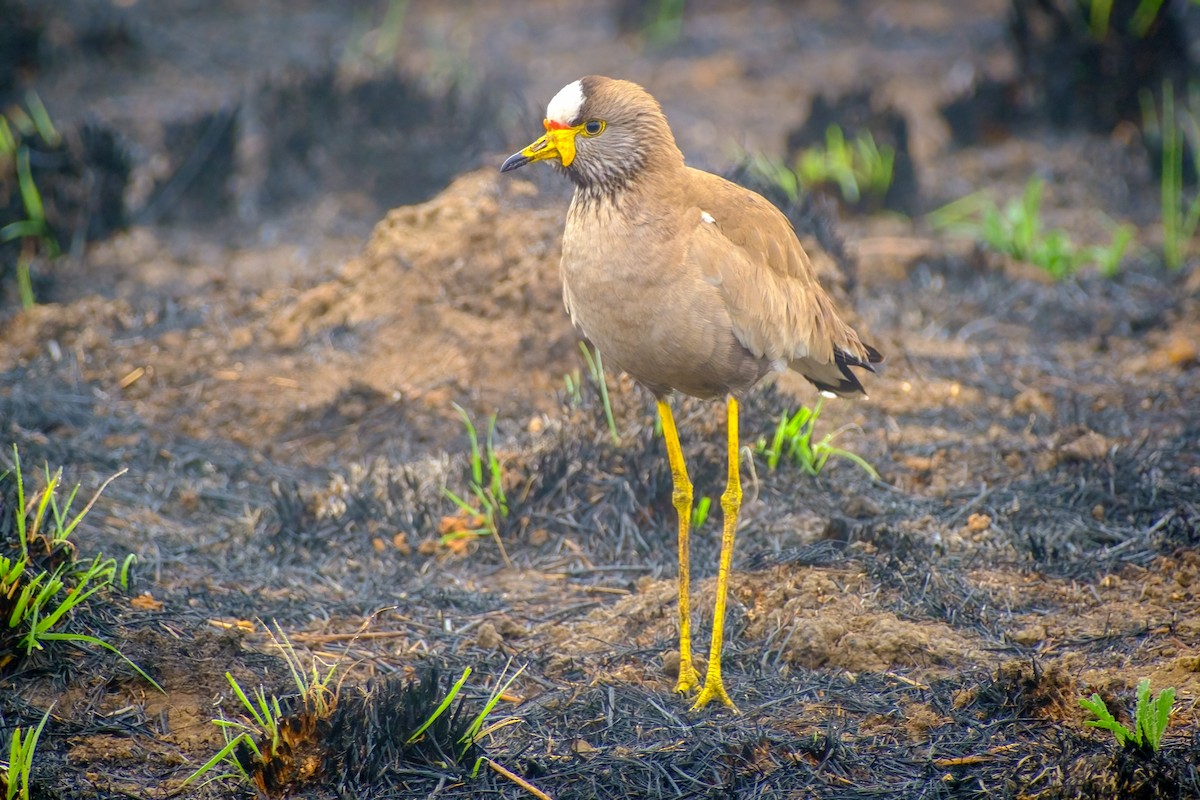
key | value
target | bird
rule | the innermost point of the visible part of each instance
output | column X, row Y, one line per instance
column 690, row 284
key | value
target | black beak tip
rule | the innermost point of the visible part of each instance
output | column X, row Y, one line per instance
column 514, row 161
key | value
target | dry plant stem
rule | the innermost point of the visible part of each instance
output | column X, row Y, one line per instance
column 518, row 780
column 500, row 544
column 681, row 497
column 323, row 638
column 100, row 491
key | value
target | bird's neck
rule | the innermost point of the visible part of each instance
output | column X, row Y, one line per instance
column 626, row 194
column 614, row 190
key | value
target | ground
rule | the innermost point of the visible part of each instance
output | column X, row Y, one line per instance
column 272, row 346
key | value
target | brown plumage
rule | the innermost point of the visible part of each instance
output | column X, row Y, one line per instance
column 686, row 281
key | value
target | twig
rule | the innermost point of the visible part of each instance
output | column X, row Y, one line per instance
column 324, row 638
column 518, row 780
column 100, row 491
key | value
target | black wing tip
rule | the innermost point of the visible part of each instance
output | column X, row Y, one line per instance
column 845, row 360
column 849, row 385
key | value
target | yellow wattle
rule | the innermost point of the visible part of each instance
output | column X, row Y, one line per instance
column 557, row 142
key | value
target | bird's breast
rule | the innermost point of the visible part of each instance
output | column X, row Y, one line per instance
column 629, row 289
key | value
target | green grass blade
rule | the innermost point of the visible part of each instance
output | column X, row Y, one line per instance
column 463, row 504
column 24, row 278
column 596, row 367
column 1143, row 17
column 34, row 594
column 221, row 755
column 28, row 228
column 590, row 360
column 954, row 216
column 1172, row 179
column 476, row 724
column 43, row 624
column 245, row 701
column 495, row 469
column 20, row 760
column 777, row 443
column 92, row 640
column 485, row 501
column 857, row 459
column 59, row 512
column 8, row 142
column 787, row 179
column 43, row 504
column 1101, row 10
column 29, row 191
column 476, row 459
column 20, row 510
column 700, row 512
column 1029, row 221
column 441, row 709
column 273, row 714
column 11, row 571
column 41, row 119
column 126, row 566
column 1108, row 259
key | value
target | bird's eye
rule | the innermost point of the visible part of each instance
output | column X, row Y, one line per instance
column 593, row 127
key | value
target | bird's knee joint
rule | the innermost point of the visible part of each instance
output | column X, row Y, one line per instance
column 731, row 500
column 682, row 496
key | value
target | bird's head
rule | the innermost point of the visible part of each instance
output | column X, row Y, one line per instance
column 602, row 132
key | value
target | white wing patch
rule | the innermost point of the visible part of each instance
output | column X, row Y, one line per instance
column 566, row 105
column 707, row 217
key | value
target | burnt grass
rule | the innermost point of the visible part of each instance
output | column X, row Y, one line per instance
column 1032, row 538
column 1004, row 727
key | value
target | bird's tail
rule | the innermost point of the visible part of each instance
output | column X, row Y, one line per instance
column 836, row 378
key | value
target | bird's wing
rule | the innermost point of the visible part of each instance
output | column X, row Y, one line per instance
column 778, row 309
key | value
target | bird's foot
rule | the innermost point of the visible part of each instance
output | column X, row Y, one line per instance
column 688, row 681
column 714, row 689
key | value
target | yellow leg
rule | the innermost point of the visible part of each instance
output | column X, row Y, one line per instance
column 681, row 497
column 731, row 502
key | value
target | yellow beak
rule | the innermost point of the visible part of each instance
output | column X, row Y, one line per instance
column 556, row 143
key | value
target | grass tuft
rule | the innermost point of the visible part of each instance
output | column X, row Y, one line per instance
column 1179, row 130
column 17, row 131
column 273, row 746
column 486, row 486
column 462, row 743
column 419, row 723
column 859, row 171
column 1151, row 717
column 595, row 366
column 793, row 441
column 41, row 582
column 574, row 386
column 15, row 773
column 1017, row 231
